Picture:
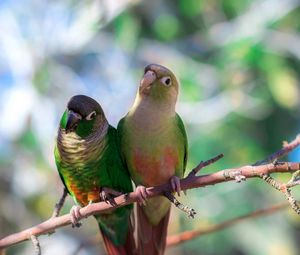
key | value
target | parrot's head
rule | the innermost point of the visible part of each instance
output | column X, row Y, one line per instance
column 158, row 83
column 83, row 116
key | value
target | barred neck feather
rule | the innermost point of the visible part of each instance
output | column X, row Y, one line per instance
column 77, row 151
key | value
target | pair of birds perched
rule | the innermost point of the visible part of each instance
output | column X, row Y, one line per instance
column 97, row 162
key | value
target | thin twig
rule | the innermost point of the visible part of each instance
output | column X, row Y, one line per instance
column 36, row 244
column 60, row 203
column 189, row 211
column 295, row 180
column 284, row 188
column 190, row 235
column 203, row 164
column 287, row 148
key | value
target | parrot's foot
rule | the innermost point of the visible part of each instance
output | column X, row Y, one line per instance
column 142, row 194
column 175, row 184
column 75, row 216
column 107, row 195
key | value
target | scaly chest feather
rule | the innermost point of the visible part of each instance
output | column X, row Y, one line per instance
column 83, row 182
column 80, row 165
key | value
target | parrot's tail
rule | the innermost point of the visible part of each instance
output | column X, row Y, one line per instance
column 128, row 248
column 151, row 239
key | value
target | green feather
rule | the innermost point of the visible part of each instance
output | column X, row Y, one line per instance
column 182, row 132
column 153, row 138
column 105, row 167
column 85, row 127
column 64, row 119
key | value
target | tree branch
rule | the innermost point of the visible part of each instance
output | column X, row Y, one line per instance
column 190, row 182
column 190, row 235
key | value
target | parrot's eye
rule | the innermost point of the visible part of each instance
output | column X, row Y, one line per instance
column 166, row 80
column 91, row 116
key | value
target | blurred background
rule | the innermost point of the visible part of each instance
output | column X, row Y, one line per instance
column 238, row 64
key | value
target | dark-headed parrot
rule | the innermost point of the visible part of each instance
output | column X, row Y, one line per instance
column 89, row 163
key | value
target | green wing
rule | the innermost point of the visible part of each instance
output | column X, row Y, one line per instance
column 120, row 132
column 109, row 171
column 117, row 171
column 116, row 224
column 58, row 165
column 182, row 132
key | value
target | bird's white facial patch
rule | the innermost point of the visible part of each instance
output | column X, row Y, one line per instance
column 91, row 116
column 166, row 80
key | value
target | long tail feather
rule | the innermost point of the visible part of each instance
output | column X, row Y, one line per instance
column 128, row 248
column 151, row 239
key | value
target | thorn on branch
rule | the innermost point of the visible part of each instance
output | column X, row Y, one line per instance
column 203, row 164
column 189, row 211
column 36, row 244
column 286, row 143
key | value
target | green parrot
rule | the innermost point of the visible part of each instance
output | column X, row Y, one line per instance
column 154, row 146
column 90, row 166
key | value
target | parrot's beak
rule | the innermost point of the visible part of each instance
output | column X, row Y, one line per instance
column 72, row 122
column 148, row 78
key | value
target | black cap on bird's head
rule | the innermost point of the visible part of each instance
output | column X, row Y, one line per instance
column 82, row 107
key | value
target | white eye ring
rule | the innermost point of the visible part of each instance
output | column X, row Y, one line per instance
column 167, row 81
column 91, row 116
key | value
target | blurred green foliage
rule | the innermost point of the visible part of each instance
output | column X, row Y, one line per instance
column 238, row 64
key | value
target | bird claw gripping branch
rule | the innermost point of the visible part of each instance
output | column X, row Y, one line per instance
column 107, row 195
column 75, row 216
